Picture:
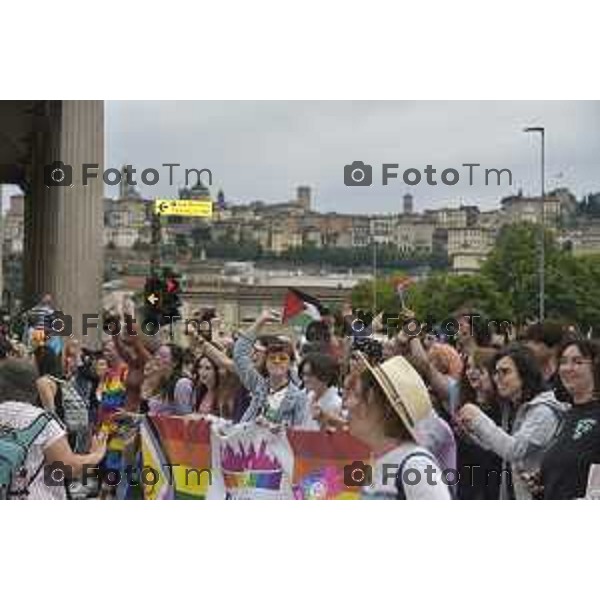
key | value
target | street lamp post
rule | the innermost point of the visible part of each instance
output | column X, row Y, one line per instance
column 542, row 251
column 374, row 277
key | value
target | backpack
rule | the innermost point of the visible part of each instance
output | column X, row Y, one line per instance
column 558, row 413
column 70, row 406
column 401, row 495
column 14, row 447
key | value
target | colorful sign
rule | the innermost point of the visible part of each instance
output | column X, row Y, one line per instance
column 186, row 455
column 319, row 463
column 184, row 208
column 193, row 459
column 250, row 462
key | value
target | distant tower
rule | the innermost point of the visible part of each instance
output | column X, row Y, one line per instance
column 221, row 200
column 126, row 190
column 123, row 183
column 407, row 204
column 303, row 196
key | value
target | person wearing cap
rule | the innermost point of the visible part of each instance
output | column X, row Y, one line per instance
column 385, row 405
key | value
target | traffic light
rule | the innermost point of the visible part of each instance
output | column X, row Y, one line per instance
column 170, row 296
column 161, row 296
column 153, row 299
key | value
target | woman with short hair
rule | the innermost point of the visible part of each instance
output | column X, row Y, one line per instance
column 275, row 397
column 320, row 376
column 385, row 404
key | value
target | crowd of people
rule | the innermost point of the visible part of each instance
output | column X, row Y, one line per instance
column 471, row 416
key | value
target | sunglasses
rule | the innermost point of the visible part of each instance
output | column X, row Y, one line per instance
column 278, row 359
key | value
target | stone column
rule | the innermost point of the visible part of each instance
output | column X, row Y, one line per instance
column 64, row 224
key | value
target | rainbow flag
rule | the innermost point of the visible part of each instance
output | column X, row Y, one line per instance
column 186, row 448
column 319, row 462
column 154, row 460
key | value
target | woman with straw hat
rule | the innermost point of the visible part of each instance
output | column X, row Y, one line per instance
column 385, row 403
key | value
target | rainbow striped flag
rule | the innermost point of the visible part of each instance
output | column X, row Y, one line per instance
column 319, row 462
column 186, row 448
column 154, row 461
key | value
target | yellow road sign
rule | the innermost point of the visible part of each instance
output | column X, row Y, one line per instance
column 184, row 208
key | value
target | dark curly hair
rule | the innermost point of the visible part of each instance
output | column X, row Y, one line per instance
column 532, row 378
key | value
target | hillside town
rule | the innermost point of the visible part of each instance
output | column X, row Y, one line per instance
column 462, row 235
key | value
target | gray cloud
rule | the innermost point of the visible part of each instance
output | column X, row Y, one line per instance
column 264, row 149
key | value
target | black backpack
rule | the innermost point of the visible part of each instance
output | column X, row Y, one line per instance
column 401, row 495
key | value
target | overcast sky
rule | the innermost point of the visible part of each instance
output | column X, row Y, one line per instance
column 261, row 150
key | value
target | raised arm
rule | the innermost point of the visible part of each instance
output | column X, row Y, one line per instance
column 215, row 354
column 251, row 379
column 439, row 382
column 536, row 431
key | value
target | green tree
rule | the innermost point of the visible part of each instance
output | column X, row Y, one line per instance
column 439, row 296
column 513, row 267
column 387, row 299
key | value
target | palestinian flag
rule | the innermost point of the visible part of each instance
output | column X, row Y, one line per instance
column 300, row 309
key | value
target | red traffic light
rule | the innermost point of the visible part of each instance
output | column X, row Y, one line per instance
column 172, row 285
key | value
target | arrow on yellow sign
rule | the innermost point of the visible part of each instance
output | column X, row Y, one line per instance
column 184, row 208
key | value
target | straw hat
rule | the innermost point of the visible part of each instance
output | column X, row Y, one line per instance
column 404, row 389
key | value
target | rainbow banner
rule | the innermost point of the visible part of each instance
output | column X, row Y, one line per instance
column 192, row 459
column 319, row 463
column 186, row 448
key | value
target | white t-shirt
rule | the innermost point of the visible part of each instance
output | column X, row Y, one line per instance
column 19, row 415
column 422, row 477
column 274, row 400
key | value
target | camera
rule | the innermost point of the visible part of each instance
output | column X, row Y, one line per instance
column 58, row 174
column 357, row 173
column 358, row 474
column 372, row 349
column 59, row 324
column 56, row 473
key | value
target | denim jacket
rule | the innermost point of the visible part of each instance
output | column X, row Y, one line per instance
column 294, row 406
